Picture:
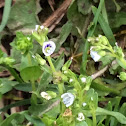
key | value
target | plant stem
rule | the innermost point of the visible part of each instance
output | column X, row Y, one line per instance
column 34, row 98
column 29, row 59
column 51, row 64
column 60, row 87
column 94, row 118
column 14, row 73
column 123, row 62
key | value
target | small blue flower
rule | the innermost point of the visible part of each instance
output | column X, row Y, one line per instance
column 48, row 48
column 68, row 99
column 94, row 54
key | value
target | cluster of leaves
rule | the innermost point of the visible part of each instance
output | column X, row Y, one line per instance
column 36, row 76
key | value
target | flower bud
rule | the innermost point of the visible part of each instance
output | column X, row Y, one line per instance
column 22, row 42
column 66, row 65
column 52, row 94
column 118, row 51
column 122, row 76
column 103, row 40
column 57, row 77
column 40, row 34
column 7, row 61
column 64, row 78
column 102, row 53
column 40, row 60
column 96, row 48
column 91, row 39
column 37, row 37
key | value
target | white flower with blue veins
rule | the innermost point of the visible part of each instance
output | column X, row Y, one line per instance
column 68, row 99
column 94, row 55
column 80, row 116
column 48, row 48
column 45, row 95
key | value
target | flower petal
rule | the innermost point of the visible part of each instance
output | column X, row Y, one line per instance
column 68, row 99
column 95, row 56
column 80, row 116
column 83, row 79
column 36, row 27
column 48, row 48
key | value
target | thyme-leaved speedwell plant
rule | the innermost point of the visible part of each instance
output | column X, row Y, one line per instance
column 68, row 100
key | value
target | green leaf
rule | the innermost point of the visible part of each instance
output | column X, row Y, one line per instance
column 53, row 112
column 7, row 121
column 6, row 85
column 47, row 77
column 90, row 34
column 29, row 69
column 89, row 122
column 117, row 6
column 4, row 88
column 23, row 16
column 23, row 87
column 76, row 18
column 108, row 107
column 19, row 103
column 104, row 13
column 121, row 62
column 27, row 61
column 82, row 123
column 47, row 120
column 18, row 119
column 37, row 121
column 41, row 109
column 92, row 98
column 66, row 29
column 123, row 109
column 31, row 73
column 84, row 6
column 105, row 27
column 123, row 92
column 115, row 105
column 99, row 85
column 120, row 117
column 117, row 19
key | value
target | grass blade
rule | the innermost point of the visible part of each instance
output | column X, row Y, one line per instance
column 90, row 33
column 7, row 9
